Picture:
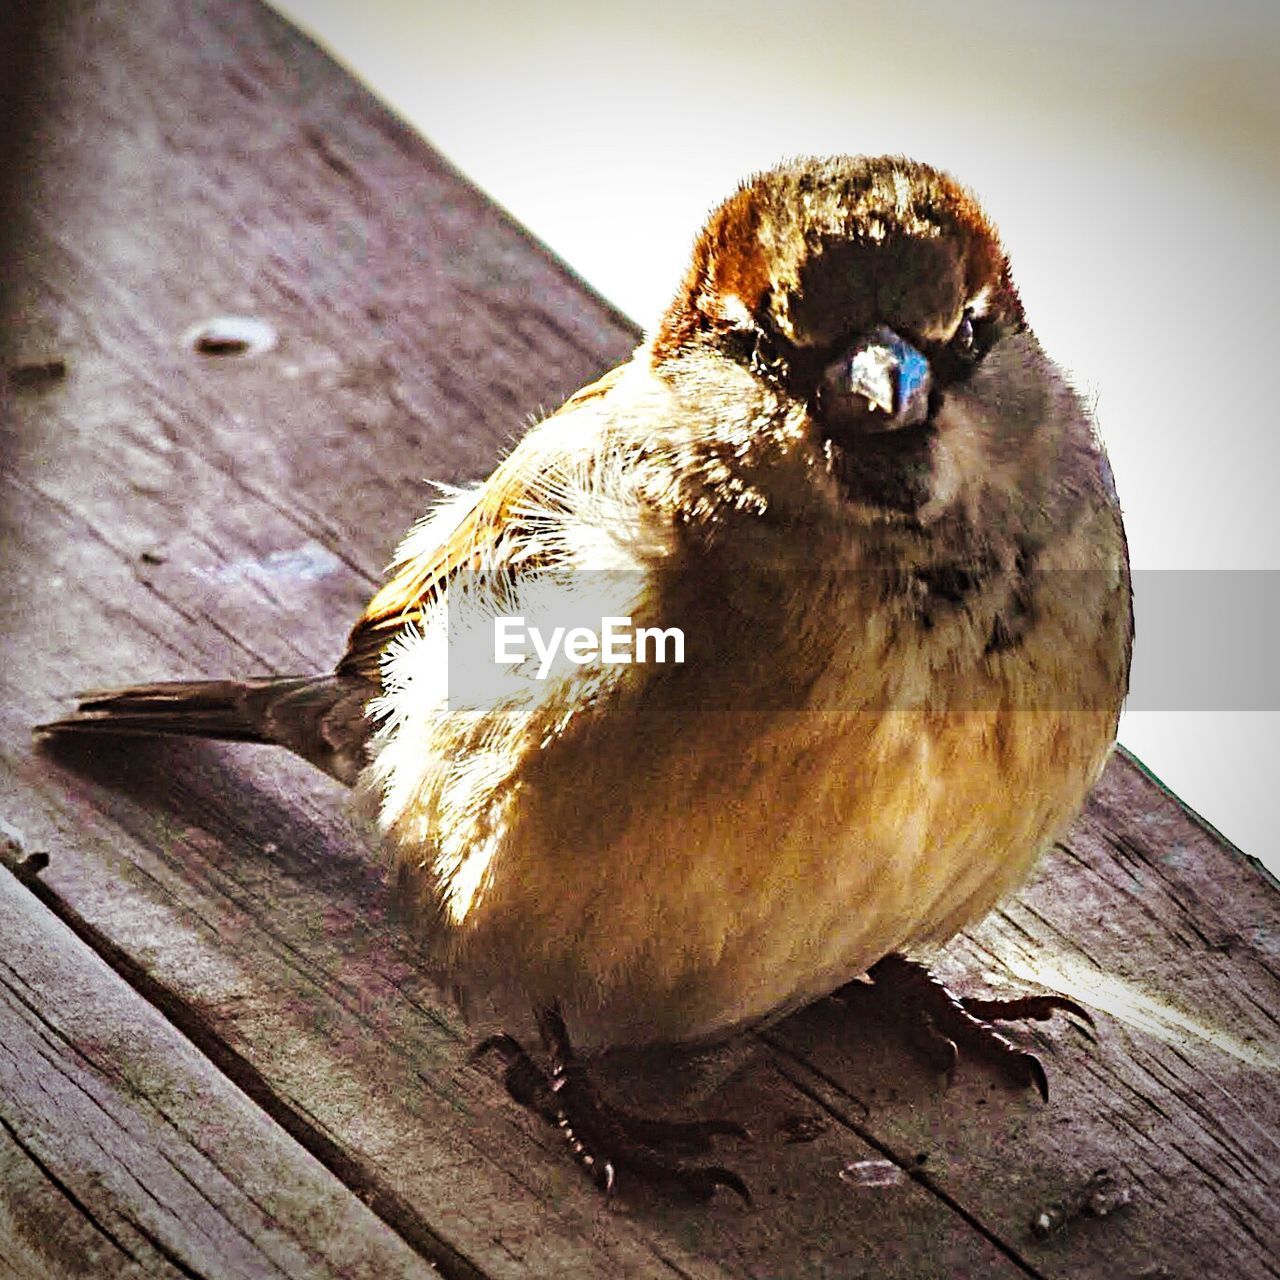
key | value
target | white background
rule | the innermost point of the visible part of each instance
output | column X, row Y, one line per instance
column 1127, row 151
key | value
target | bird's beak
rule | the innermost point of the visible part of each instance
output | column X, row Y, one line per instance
column 882, row 384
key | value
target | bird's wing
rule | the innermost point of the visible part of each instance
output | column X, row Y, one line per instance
column 492, row 531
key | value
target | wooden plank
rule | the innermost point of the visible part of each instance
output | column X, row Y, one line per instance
column 125, row 1152
column 167, row 514
column 41, row 1239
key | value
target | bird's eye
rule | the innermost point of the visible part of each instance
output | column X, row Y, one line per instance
column 962, row 341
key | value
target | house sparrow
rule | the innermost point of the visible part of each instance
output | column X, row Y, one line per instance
column 844, row 471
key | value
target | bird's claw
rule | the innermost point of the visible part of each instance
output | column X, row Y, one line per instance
column 600, row 1136
column 1027, row 1008
column 940, row 1024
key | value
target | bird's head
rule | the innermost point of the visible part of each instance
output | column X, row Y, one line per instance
column 872, row 305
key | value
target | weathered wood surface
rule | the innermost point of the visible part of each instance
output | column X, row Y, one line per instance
column 110, row 1111
column 233, row 988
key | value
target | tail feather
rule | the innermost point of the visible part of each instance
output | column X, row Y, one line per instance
column 321, row 718
column 198, row 709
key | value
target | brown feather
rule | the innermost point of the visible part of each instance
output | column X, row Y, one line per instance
column 480, row 541
column 320, row 718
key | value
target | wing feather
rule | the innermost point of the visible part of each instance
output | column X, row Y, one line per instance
column 493, row 529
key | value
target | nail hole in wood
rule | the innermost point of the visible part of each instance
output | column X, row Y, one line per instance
column 230, row 336
column 28, row 374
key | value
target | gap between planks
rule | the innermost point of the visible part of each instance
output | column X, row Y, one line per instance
column 382, row 1201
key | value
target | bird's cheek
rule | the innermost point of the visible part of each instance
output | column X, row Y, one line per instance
column 961, row 454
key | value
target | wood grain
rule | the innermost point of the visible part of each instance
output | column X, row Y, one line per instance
column 168, row 514
column 125, row 1151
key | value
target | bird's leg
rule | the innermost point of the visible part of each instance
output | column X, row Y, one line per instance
column 603, row 1137
column 940, row 1023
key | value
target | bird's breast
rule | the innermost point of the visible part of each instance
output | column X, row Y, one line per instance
column 702, row 856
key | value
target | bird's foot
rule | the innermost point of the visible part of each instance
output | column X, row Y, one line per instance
column 602, row 1137
column 939, row 1023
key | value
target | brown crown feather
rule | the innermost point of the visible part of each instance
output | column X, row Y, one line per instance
column 762, row 244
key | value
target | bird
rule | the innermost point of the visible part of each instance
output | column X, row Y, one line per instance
column 864, row 624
